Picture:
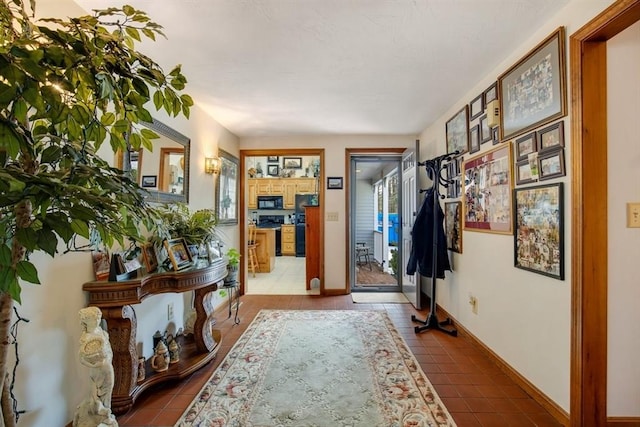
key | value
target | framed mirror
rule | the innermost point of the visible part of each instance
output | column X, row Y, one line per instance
column 163, row 172
column 227, row 189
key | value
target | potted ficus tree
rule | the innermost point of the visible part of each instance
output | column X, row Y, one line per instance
column 66, row 88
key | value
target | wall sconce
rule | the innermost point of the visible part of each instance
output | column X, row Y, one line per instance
column 212, row 165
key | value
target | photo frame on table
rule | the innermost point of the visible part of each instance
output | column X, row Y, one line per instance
column 149, row 257
column 179, row 253
column 476, row 106
column 533, row 91
column 491, row 93
column 227, row 188
column 457, row 132
column 524, row 174
column 149, row 181
column 487, row 191
column 273, row 159
column 485, row 130
column 292, row 162
column 334, row 183
column 551, row 137
column 526, row 145
column 101, row 264
column 273, row 170
column 453, row 225
column 474, row 139
column 539, row 229
column 551, row 164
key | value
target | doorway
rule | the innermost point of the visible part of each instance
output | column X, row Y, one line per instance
column 375, row 197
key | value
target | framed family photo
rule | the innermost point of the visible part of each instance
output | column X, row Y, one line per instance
column 539, row 230
column 179, row 253
column 533, row 91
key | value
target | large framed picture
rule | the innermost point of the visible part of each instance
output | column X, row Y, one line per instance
column 539, row 230
column 453, row 225
column 292, row 162
column 178, row 252
column 457, row 132
column 487, row 191
column 227, row 189
column 533, row 91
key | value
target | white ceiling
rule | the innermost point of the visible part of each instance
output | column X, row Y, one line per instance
column 285, row 67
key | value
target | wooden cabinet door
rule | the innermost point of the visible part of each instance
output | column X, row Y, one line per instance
column 288, row 240
column 312, row 243
column 306, row 185
column 276, row 187
column 263, row 187
column 253, row 195
column 289, row 194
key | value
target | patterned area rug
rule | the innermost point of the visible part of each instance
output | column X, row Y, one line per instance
column 318, row 368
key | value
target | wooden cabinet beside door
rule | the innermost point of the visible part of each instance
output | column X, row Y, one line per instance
column 312, row 243
column 288, row 240
column 253, row 195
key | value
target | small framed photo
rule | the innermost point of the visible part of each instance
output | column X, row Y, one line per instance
column 273, row 159
column 101, row 264
column 495, row 135
column 485, row 130
column 551, row 137
column 292, row 162
column 334, row 183
column 149, row 181
column 273, row 170
column 551, row 164
column 149, row 256
column 524, row 174
column 476, row 106
column 526, row 145
column 453, row 225
column 178, row 253
column 491, row 93
column 474, row 139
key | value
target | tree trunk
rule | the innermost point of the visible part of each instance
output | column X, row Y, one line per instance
column 6, row 405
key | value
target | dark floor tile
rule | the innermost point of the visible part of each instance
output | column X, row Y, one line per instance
column 465, row 419
column 491, row 420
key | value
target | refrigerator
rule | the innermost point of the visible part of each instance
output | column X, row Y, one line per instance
column 302, row 200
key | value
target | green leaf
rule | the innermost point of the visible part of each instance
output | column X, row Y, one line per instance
column 149, row 134
column 108, row 119
column 80, row 227
column 158, row 99
column 51, row 154
column 48, row 241
column 9, row 140
column 9, row 282
column 133, row 33
column 128, row 10
column 186, row 100
column 121, row 126
column 28, row 272
column 5, row 255
column 28, row 237
column 150, row 34
column 20, row 110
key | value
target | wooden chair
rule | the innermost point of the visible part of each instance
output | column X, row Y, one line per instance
column 252, row 245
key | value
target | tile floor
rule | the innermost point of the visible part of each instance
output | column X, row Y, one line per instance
column 473, row 389
column 288, row 277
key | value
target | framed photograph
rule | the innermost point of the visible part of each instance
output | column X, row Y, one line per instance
column 292, row 162
column 551, row 164
column 273, row 159
column 476, row 106
column 474, row 139
column 227, row 189
column 524, row 174
column 273, row 170
column 551, row 137
column 495, row 135
column 457, row 132
column 334, row 183
column 487, row 191
column 491, row 93
column 149, row 257
column 539, row 230
column 178, row 253
column 526, row 145
column 101, row 264
column 533, row 91
column 485, row 130
column 453, row 225
column 149, row 181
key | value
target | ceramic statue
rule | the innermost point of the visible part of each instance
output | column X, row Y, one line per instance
column 160, row 360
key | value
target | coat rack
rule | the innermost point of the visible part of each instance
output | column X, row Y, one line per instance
column 434, row 168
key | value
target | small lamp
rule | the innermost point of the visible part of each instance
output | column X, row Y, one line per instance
column 212, row 165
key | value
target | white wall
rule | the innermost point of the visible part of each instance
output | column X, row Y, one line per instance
column 334, row 165
column 623, row 91
column 523, row 317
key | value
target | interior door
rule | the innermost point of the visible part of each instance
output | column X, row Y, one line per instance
column 410, row 284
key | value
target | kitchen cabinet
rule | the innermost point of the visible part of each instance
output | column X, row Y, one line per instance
column 288, row 240
column 252, row 203
column 305, row 185
column 263, row 187
column 285, row 187
column 289, row 194
column 266, row 249
column 312, row 243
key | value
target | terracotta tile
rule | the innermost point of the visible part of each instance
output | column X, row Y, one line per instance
column 167, row 418
column 514, row 392
column 489, row 390
column 450, row 368
column 180, row 401
column 544, row 420
column 518, row 420
column 444, row 390
column 465, row 419
column 142, row 417
column 455, row 404
column 430, row 368
column 528, row 406
column 504, row 405
column 491, row 420
column 468, row 390
column 478, row 404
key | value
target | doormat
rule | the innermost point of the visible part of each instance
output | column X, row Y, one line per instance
column 379, row 297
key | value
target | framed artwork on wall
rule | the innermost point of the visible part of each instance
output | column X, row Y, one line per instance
column 539, row 230
column 526, row 145
column 533, row 91
column 487, row 191
column 476, row 106
column 551, row 164
column 457, row 132
column 485, row 130
column 292, row 162
column 551, row 137
column 453, row 225
column 227, row 189
column 491, row 93
column 474, row 139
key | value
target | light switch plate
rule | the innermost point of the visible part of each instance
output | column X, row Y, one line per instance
column 633, row 215
column 332, row 216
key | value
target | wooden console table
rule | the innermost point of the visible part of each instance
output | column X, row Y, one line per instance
column 115, row 299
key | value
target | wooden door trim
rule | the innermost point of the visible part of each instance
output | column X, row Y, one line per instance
column 588, row 52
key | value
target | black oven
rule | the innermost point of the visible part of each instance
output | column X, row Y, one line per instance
column 270, row 202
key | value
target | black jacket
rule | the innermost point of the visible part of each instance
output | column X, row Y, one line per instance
column 422, row 241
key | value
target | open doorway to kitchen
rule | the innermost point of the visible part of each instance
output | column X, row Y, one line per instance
column 277, row 189
column 375, row 197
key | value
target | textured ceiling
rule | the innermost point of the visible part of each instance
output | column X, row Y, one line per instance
column 283, row 67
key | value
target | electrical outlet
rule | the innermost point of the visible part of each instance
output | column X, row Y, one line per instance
column 170, row 312
column 633, row 215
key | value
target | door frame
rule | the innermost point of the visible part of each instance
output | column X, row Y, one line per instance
column 243, row 219
column 588, row 78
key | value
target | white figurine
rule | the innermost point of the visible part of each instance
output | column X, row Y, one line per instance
column 95, row 353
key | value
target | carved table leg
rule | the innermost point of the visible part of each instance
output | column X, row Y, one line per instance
column 121, row 325
column 204, row 316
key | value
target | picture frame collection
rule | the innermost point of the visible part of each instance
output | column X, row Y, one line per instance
column 496, row 187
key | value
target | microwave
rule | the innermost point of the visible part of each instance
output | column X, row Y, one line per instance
column 270, row 202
